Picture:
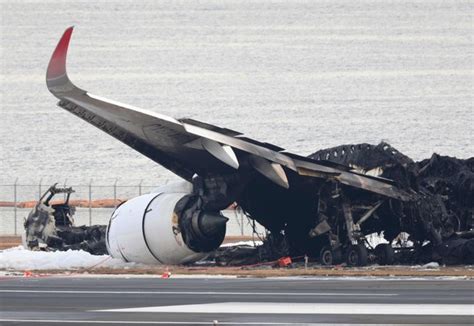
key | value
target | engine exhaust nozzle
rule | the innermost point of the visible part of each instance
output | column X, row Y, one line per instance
column 212, row 224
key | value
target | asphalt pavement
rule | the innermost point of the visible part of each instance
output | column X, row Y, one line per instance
column 67, row 300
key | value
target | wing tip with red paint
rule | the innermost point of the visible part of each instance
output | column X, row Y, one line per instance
column 57, row 63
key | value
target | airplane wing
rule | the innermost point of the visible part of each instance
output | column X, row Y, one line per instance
column 188, row 147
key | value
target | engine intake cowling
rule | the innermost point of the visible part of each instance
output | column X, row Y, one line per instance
column 147, row 229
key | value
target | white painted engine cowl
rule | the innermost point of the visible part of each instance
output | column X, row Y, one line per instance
column 145, row 229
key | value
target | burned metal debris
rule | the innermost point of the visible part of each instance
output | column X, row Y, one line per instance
column 438, row 219
column 51, row 226
column 442, row 210
column 436, row 224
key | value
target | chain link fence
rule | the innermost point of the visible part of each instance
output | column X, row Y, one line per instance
column 17, row 199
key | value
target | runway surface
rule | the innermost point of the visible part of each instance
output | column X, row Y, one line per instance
column 70, row 300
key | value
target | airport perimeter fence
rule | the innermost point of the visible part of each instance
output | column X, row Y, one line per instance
column 17, row 199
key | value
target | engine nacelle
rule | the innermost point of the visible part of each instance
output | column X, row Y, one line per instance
column 149, row 229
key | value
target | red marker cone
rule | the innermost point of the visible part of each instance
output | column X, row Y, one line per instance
column 166, row 273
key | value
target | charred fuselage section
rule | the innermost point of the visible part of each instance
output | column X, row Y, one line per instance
column 443, row 186
column 50, row 226
column 331, row 221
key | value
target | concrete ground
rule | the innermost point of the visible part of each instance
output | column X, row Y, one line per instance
column 116, row 300
column 259, row 270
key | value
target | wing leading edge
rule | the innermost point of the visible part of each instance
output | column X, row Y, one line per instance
column 186, row 146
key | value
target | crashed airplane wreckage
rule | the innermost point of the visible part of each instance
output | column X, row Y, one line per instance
column 50, row 225
column 322, row 206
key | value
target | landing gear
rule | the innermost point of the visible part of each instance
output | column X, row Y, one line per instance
column 329, row 256
column 385, row 254
column 357, row 255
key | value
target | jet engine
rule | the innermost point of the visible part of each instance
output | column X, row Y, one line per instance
column 166, row 226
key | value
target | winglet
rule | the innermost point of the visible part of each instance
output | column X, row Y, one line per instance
column 56, row 73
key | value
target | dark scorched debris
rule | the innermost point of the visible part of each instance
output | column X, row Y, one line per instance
column 436, row 225
column 51, row 227
column 438, row 221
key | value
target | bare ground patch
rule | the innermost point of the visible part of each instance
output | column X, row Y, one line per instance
column 337, row 271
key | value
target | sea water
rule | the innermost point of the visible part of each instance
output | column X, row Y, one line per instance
column 303, row 75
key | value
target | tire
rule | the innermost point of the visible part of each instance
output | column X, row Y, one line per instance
column 385, row 254
column 357, row 255
column 326, row 256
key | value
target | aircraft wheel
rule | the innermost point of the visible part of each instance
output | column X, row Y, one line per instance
column 385, row 254
column 357, row 255
column 326, row 256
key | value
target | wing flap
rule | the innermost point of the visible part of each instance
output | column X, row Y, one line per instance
column 242, row 145
column 369, row 183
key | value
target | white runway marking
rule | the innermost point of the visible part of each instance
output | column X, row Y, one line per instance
column 311, row 308
column 206, row 293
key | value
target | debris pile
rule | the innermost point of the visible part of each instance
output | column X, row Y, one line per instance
column 51, row 227
column 437, row 222
column 442, row 212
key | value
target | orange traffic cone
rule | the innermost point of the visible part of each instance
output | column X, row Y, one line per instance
column 284, row 261
column 166, row 273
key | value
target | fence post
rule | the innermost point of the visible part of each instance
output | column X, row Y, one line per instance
column 64, row 186
column 115, row 193
column 15, row 204
column 140, row 187
column 39, row 189
column 90, row 203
